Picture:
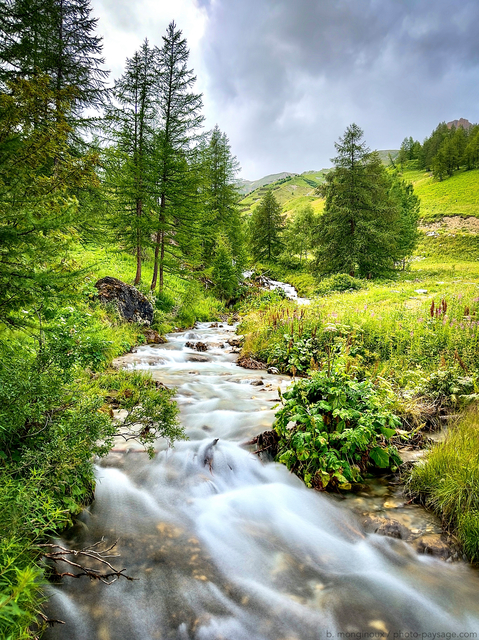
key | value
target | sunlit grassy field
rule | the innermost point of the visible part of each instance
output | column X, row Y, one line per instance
column 457, row 195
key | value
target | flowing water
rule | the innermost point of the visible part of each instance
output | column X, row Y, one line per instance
column 227, row 547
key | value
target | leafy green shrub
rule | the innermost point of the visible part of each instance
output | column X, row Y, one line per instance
column 449, row 387
column 256, row 298
column 339, row 282
column 341, row 428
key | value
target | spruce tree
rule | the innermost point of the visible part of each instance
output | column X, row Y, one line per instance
column 265, row 228
column 179, row 112
column 130, row 124
column 357, row 234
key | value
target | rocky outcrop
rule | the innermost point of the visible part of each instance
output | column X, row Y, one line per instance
column 132, row 305
column 462, row 122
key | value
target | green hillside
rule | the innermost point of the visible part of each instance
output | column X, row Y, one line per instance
column 290, row 189
column 291, row 192
column 247, row 186
column 454, row 196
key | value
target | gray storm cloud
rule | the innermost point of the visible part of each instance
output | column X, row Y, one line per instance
column 286, row 77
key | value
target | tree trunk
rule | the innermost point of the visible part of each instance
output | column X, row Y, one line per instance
column 160, row 245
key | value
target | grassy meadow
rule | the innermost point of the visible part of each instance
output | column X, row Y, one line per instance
column 416, row 339
column 454, row 196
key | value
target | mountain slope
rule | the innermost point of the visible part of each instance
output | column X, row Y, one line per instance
column 291, row 192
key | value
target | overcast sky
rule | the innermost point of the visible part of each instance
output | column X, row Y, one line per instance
column 284, row 78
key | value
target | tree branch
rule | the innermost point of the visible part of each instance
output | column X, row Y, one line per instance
column 107, row 573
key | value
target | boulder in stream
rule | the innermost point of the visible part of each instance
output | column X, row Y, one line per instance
column 132, row 305
column 435, row 545
column 153, row 337
column 248, row 363
column 198, row 346
column 386, row 527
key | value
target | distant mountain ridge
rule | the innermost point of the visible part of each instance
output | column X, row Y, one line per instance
column 247, row 186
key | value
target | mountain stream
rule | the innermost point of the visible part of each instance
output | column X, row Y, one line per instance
column 225, row 546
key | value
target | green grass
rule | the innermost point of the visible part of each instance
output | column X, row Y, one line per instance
column 388, row 321
column 182, row 303
column 455, row 196
column 447, row 482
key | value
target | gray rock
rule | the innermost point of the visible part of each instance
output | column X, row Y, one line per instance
column 273, row 370
column 132, row 305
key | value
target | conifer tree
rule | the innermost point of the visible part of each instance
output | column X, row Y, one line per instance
column 55, row 38
column 37, row 208
column 265, row 228
column 225, row 275
column 220, row 195
column 358, row 230
column 177, row 181
column 299, row 232
column 130, row 123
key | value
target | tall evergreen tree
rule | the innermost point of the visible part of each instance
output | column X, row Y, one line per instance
column 55, row 38
column 265, row 228
column 221, row 196
column 408, row 205
column 225, row 276
column 299, row 232
column 130, row 123
column 37, row 208
column 179, row 113
column 357, row 232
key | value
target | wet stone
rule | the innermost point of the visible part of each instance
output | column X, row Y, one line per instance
column 434, row 545
column 386, row 527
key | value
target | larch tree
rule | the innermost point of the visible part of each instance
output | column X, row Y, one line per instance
column 299, row 232
column 179, row 111
column 357, row 233
column 56, row 38
column 220, row 193
column 265, row 227
column 37, row 208
column 130, row 169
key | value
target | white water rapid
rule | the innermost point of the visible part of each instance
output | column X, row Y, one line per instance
column 227, row 547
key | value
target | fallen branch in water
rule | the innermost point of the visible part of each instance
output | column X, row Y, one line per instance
column 74, row 558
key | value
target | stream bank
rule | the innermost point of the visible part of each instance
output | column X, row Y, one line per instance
column 224, row 546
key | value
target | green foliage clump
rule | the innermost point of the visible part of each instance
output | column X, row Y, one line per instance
column 225, row 275
column 447, row 482
column 339, row 282
column 449, row 386
column 256, row 298
column 341, row 429
column 370, row 219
